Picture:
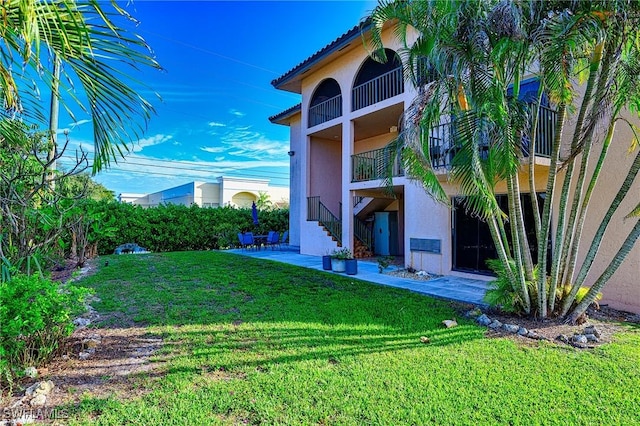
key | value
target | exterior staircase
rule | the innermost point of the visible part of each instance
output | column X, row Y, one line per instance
column 332, row 224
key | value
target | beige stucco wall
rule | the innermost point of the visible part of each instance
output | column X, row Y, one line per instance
column 296, row 179
column 325, row 172
column 623, row 289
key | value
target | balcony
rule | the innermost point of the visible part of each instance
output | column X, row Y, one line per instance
column 442, row 139
column 383, row 87
column 325, row 111
column 376, row 164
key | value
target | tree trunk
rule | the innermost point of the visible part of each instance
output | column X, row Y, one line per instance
column 597, row 238
column 615, row 263
column 546, row 213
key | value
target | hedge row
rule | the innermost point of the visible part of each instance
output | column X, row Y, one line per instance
column 178, row 228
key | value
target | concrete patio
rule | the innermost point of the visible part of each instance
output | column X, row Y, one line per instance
column 450, row 287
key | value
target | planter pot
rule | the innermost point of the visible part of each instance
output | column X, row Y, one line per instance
column 338, row 265
column 326, row 263
column 351, row 266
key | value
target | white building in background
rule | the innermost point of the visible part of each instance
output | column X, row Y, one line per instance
column 227, row 191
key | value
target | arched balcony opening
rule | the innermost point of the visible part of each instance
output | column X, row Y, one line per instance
column 326, row 103
column 377, row 81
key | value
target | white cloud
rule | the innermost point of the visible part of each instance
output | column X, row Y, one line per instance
column 219, row 158
column 256, row 146
column 78, row 123
column 151, row 141
column 213, row 149
column 237, row 113
column 216, row 124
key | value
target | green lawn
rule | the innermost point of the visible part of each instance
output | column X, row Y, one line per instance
column 250, row 341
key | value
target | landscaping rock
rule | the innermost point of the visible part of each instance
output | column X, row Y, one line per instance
column 450, row 323
column 483, row 320
column 533, row 335
column 474, row 313
column 495, row 324
column 592, row 330
column 31, row 372
column 39, row 400
column 522, row 331
column 592, row 338
column 40, row 388
column 562, row 338
column 84, row 355
column 91, row 342
column 81, row 322
column 511, row 328
column 580, row 339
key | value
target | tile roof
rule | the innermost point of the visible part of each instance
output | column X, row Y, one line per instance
column 335, row 45
column 286, row 113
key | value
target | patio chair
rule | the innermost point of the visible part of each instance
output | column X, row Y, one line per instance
column 246, row 240
column 273, row 239
column 284, row 240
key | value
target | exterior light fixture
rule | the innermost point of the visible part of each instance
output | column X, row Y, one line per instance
column 291, row 153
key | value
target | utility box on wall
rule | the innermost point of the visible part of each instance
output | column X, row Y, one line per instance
column 385, row 234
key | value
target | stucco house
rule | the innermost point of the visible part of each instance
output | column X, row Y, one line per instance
column 351, row 109
column 227, row 191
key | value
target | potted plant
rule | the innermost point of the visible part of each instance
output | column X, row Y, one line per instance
column 326, row 262
column 351, row 266
column 338, row 259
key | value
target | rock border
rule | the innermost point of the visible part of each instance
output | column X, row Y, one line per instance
column 585, row 339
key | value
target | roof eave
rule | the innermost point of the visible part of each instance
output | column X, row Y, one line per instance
column 291, row 81
column 284, row 118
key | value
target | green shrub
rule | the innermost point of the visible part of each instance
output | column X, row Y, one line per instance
column 35, row 317
column 178, row 228
column 501, row 292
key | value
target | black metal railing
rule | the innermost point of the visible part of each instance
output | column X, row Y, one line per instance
column 383, row 87
column 316, row 211
column 443, row 145
column 545, row 132
column 363, row 232
column 325, row 111
column 376, row 164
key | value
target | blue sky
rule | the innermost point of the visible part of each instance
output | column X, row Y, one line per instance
column 219, row 59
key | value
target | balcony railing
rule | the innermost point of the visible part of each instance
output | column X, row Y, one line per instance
column 386, row 86
column 363, row 232
column 443, row 146
column 545, row 133
column 325, row 111
column 376, row 164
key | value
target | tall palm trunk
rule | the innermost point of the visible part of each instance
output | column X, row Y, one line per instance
column 617, row 260
column 597, row 238
column 532, row 162
column 53, row 121
column 545, row 220
column 564, row 230
column 579, row 209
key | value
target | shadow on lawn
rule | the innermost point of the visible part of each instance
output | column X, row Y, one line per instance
column 222, row 303
column 302, row 344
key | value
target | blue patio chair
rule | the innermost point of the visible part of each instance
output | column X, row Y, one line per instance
column 285, row 239
column 273, row 239
column 246, row 240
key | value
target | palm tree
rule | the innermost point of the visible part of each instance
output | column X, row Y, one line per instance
column 477, row 54
column 94, row 45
